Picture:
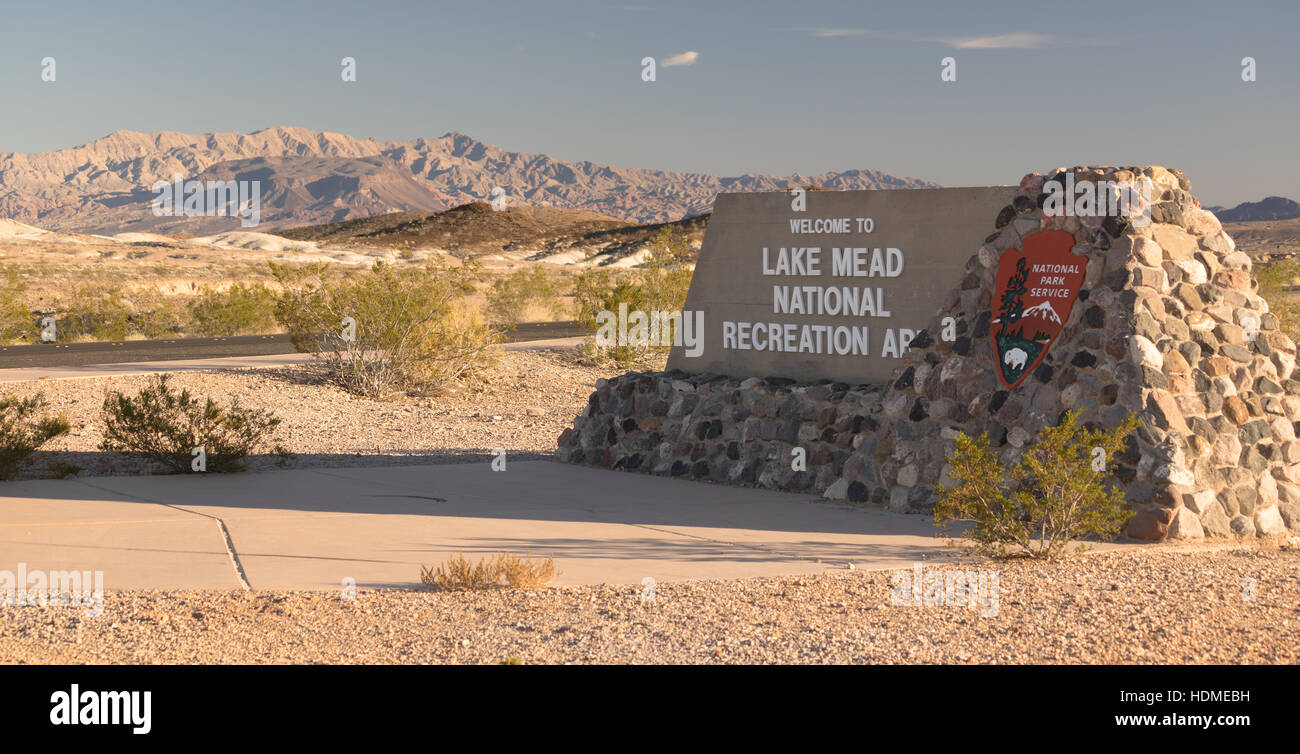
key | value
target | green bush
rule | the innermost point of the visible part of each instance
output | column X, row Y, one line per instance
column 94, row 313
column 1056, row 492
column 659, row 285
column 238, row 310
column 21, row 433
column 166, row 426
column 522, row 293
column 1277, row 285
column 156, row 316
column 409, row 331
column 17, row 323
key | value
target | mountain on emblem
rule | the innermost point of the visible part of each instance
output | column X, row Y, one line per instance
column 1033, row 294
column 1043, row 311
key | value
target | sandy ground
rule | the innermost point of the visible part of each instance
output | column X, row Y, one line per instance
column 1154, row 606
column 522, row 405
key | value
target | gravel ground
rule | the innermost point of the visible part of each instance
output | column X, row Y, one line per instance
column 522, row 405
column 1157, row 605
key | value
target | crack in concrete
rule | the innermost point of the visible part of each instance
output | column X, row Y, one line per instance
column 221, row 527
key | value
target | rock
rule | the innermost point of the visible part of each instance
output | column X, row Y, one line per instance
column 1237, row 260
column 1150, row 524
column 1235, row 352
column 1268, row 521
column 1185, row 525
column 1218, row 243
column 898, row 499
column 1174, row 475
column 1290, row 513
column 1201, row 502
column 1177, row 244
column 1174, row 363
column 837, row 491
column 1143, row 351
column 1214, row 522
column 1162, row 406
column 1005, row 217
column 1266, row 489
column 1200, row 321
column 1235, row 409
column 1193, row 271
column 1188, row 295
column 1201, row 222
column 1242, row 526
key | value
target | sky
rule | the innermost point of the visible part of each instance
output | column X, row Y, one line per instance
column 772, row 87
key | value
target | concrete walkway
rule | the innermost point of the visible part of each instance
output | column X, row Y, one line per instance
column 126, row 369
column 313, row 528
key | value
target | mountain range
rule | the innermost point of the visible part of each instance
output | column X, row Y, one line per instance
column 313, row 177
column 1269, row 208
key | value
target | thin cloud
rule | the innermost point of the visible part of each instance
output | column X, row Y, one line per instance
column 1013, row 41
column 686, row 58
column 1022, row 41
column 838, row 32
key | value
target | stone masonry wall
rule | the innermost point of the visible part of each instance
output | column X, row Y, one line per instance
column 1156, row 330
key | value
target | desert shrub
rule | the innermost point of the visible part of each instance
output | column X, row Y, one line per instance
column 621, row 295
column 1054, row 494
column 17, row 323
column 63, row 469
column 659, row 285
column 459, row 574
column 665, row 276
column 238, row 310
column 94, row 312
column 407, row 330
column 590, row 290
column 523, row 294
column 22, row 433
column 156, row 316
column 165, row 426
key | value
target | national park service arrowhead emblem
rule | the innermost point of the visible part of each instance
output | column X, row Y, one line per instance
column 1033, row 295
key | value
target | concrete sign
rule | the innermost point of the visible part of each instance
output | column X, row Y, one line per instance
column 829, row 284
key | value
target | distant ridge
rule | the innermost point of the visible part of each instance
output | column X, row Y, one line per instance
column 314, row 177
column 1269, row 208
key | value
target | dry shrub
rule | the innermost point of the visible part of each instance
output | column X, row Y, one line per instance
column 459, row 574
column 525, row 573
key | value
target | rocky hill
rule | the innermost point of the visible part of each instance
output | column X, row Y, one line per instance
column 475, row 229
column 1269, row 208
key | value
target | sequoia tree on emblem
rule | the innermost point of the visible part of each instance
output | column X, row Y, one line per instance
column 1033, row 295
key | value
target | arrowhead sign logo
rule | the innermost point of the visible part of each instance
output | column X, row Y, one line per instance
column 1033, row 295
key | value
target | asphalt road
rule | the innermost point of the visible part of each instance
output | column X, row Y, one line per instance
column 120, row 352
